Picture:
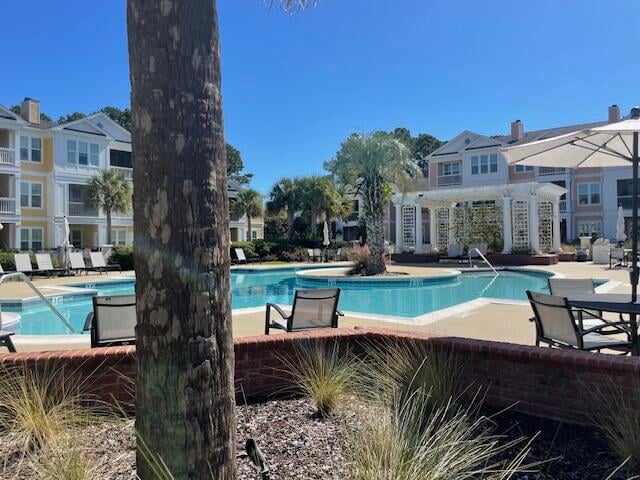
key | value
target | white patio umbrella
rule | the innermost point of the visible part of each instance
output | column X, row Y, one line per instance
column 612, row 145
column 326, row 241
column 65, row 241
column 621, row 236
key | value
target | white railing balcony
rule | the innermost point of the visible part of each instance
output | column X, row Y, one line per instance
column 79, row 209
column 7, row 156
column 7, row 205
column 126, row 172
column 551, row 170
column 446, row 180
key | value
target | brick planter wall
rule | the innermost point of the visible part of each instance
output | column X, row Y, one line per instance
column 513, row 260
column 556, row 384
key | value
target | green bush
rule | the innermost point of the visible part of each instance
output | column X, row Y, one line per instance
column 249, row 249
column 7, row 261
column 122, row 256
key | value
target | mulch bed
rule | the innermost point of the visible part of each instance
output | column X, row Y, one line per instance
column 298, row 445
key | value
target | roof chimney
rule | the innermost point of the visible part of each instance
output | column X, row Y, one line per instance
column 30, row 110
column 614, row 114
column 517, row 130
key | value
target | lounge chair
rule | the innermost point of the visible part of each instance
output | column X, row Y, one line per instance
column 5, row 341
column 557, row 326
column 310, row 254
column 317, row 253
column 113, row 321
column 242, row 258
column 454, row 253
column 45, row 264
column 23, row 264
column 475, row 247
column 100, row 265
column 77, row 263
column 618, row 256
column 312, row 308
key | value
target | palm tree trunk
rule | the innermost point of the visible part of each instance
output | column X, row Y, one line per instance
column 108, row 212
column 374, row 222
column 314, row 224
column 249, row 227
column 185, row 408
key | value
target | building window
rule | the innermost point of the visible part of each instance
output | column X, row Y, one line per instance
column 83, row 153
column 625, row 192
column 590, row 229
column 79, row 202
column 119, row 236
column 483, row 164
column 71, row 151
column 76, row 238
column 30, row 195
column 31, row 238
column 449, row 173
column 30, row 149
column 120, row 158
column 254, row 235
column 589, row 194
column 523, row 168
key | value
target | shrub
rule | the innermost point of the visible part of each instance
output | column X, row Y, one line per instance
column 249, row 249
column 7, row 261
column 123, row 256
column 322, row 373
column 270, row 258
column 298, row 254
column 360, row 258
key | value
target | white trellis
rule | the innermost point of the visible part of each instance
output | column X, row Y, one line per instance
column 408, row 226
column 545, row 226
column 520, row 224
column 442, row 216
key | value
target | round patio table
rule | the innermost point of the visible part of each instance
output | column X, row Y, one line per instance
column 614, row 303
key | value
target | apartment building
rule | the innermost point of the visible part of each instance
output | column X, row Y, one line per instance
column 44, row 172
column 472, row 161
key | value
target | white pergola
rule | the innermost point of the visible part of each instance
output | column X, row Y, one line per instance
column 528, row 215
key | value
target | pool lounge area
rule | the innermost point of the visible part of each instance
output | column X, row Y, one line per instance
column 472, row 303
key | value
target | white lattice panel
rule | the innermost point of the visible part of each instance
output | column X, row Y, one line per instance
column 408, row 226
column 442, row 217
column 545, row 228
column 520, row 224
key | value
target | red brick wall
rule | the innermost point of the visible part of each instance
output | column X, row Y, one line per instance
column 556, row 384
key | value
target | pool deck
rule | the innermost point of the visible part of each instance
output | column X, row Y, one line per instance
column 504, row 321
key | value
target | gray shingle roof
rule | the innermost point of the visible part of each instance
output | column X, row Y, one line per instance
column 535, row 135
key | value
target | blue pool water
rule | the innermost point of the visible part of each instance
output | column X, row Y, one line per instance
column 255, row 288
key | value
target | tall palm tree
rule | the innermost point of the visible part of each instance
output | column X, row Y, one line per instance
column 322, row 200
column 371, row 164
column 286, row 196
column 110, row 191
column 185, row 397
column 250, row 204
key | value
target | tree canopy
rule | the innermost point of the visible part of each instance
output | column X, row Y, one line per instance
column 420, row 146
column 235, row 166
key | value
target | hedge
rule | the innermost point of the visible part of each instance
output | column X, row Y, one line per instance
column 122, row 256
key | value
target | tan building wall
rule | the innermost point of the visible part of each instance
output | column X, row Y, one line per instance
column 35, row 212
column 47, row 159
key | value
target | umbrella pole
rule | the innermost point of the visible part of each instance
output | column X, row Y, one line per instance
column 634, row 246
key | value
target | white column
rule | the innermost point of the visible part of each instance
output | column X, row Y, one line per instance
column 418, row 230
column 534, row 224
column 451, row 237
column 433, row 229
column 507, row 229
column 398, row 228
column 556, row 236
column 18, row 235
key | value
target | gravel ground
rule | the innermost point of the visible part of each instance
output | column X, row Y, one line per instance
column 298, row 445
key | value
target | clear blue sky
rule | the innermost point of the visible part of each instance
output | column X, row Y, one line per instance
column 295, row 86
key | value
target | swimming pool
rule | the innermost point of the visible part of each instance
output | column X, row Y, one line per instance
column 255, row 288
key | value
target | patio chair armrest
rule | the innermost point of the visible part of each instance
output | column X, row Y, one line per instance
column 622, row 326
column 277, row 309
column 88, row 322
column 339, row 313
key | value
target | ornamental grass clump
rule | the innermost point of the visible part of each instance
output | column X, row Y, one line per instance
column 618, row 417
column 64, row 459
column 321, row 371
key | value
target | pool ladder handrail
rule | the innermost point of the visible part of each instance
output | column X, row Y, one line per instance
column 485, row 261
column 22, row 276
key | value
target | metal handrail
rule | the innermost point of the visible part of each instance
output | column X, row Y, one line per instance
column 485, row 261
column 22, row 276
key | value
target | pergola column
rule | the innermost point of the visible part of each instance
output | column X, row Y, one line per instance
column 418, row 229
column 507, row 230
column 556, row 236
column 534, row 224
column 433, row 228
column 452, row 224
column 398, row 228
